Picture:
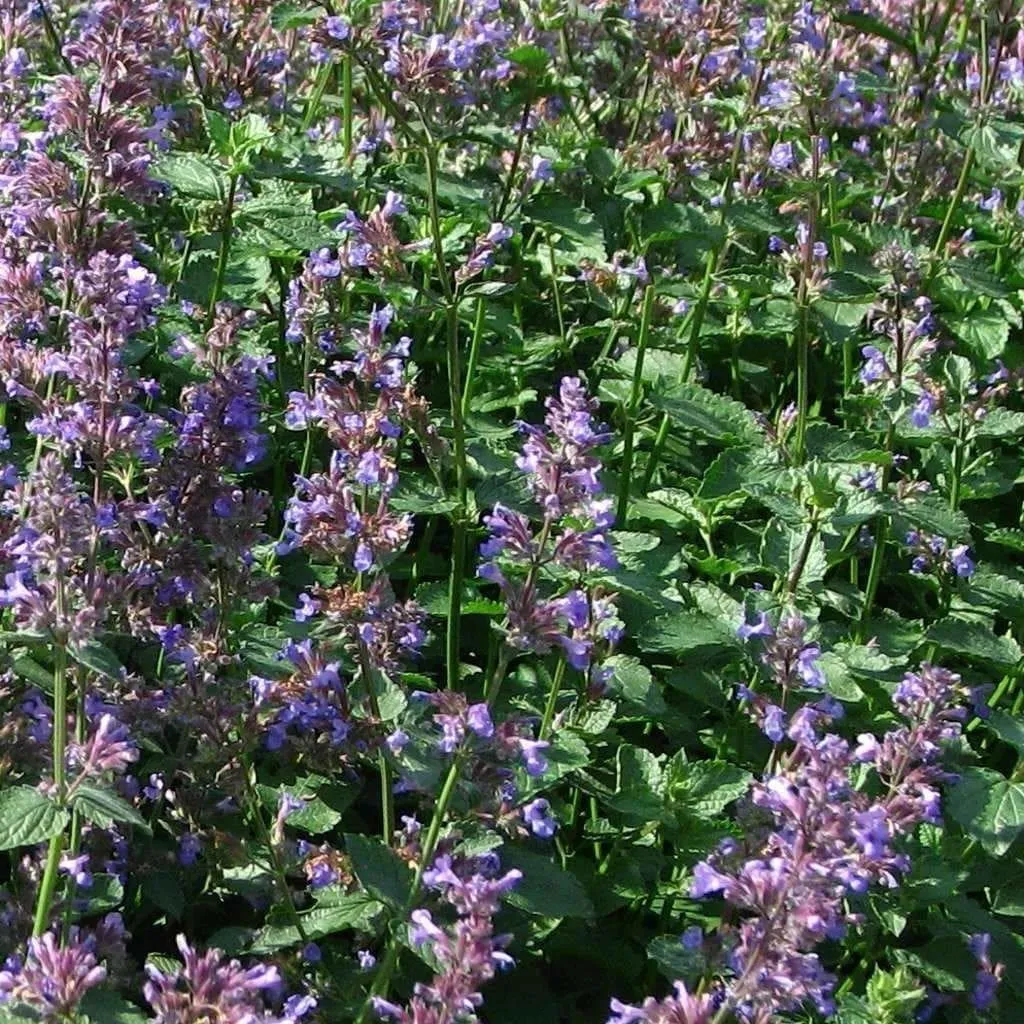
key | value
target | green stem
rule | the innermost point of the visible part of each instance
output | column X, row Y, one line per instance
column 715, row 256
column 474, row 357
column 803, row 346
column 954, row 205
column 874, row 576
column 60, row 741
column 382, row 980
column 629, row 428
column 556, row 292
column 227, row 225
column 959, row 454
column 346, row 108
column 517, row 157
column 549, row 709
column 455, row 398
column 386, row 796
column 313, row 105
column 280, row 877
column 801, row 563
column 695, row 324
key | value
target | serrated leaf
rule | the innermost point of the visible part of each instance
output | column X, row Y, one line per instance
column 1007, row 538
column 984, row 331
column 577, row 230
column 935, row 516
column 686, row 631
column 975, row 640
column 693, row 407
column 674, row 960
column 27, row 817
column 1007, row 728
column 706, row 788
column 192, row 175
column 531, row 58
column 1001, row 423
column 104, row 807
column 639, row 787
column 350, row 912
column 990, row 808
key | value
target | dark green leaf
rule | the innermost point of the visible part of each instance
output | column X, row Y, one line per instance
column 104, row 807
column 379, row 869
column 27, row 817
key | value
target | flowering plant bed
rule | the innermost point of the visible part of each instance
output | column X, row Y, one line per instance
column 511, row 511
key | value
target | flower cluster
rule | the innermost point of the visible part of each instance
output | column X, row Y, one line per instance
column 561, row 474
column 467, row 953
column 825, row 843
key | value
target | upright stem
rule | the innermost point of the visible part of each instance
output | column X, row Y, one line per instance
column 715, row 256
column 803, row 337
column 959, row 453
column 878, row 554
column 629, row 428
column 556, row 292
column 474, row 357
column 386, row 797
column 346, row 108
column 48, row 885
column 280, row 877
column 382, row 981
column 549, row 709
column 517, row 156
column 455, row 398
column 226, row 230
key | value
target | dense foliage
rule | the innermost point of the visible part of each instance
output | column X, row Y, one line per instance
column 511, row 510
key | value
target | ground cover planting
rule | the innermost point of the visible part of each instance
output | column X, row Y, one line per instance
column 511, row 511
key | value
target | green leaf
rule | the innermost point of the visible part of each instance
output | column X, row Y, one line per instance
column 351, row 911
column 873, row 26
column 580, row 236
column 1003, row 594
column 30, row 669
column 545, row 889
column 977, row 279
column 192, row 175
column 163, row 890
column 104, row 807
column 104, row 1006
column 1007, row 728
column 782, row 547
column 670, row 222
column 693, row 407
column 990, row 808
column 433, row 599
column 315, row 817
column 639, row 789
column 706, row 788
column 984, row 331
column 292, row 15
column 99, row 658
column 935, row 516
column 532, row 59
column 379, row 869
column 686, row 631
column 1001, row 423
column 105, row 894
column 27, row 817
column 1007, row 537
column 975, row 640
column 674, row 960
